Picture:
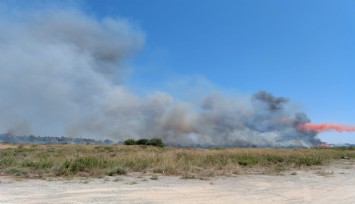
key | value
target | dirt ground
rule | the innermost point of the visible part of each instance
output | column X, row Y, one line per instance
column 331, row 184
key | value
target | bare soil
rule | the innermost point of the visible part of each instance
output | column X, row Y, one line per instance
column 328, row 184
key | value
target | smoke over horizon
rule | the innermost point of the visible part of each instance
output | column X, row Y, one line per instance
column 62, row 72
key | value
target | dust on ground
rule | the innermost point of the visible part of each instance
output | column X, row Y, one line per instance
column 329, row 184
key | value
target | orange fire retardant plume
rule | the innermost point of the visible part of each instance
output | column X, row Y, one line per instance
column 327, row 127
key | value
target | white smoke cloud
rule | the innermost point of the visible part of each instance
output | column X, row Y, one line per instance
column 56, row 66
column 57, row 69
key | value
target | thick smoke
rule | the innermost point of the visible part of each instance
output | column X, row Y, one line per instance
column 57, row 68
column 62, row 73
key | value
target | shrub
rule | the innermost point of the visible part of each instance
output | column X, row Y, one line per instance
column 156, row 142
column 142, row 141
column 153, row 142
column 129, row 142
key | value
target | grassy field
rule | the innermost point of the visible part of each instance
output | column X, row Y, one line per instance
column 42, row 161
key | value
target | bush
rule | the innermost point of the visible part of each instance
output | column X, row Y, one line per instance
column 153, row 142
column 156, row 142
column 142, row 142
column 129, row 142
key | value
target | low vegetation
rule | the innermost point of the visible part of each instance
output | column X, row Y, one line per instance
column 66, row 160
column 152, row 142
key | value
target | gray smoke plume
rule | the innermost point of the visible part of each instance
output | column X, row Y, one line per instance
column 62, row 73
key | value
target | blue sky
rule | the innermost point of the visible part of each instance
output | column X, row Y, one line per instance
column 303, row 50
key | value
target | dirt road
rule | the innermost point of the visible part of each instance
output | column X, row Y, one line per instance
column 332, row 184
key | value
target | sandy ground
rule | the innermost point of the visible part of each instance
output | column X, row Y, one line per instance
column 332, row 184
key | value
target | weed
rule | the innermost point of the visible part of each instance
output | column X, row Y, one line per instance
column 159, row 171
column 345, row 157
column 308, row 161
column 18, row 172
column 188, row 176
column 117, row 179
column 154, row 177
column 81, row 164
column 7, row 161
column 118, row 171
column 245, row 160
column 109, row 149
column 324, row 173
column 41, row 164
column 274, row 159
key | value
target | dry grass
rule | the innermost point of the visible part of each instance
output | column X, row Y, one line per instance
column 42, row 161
